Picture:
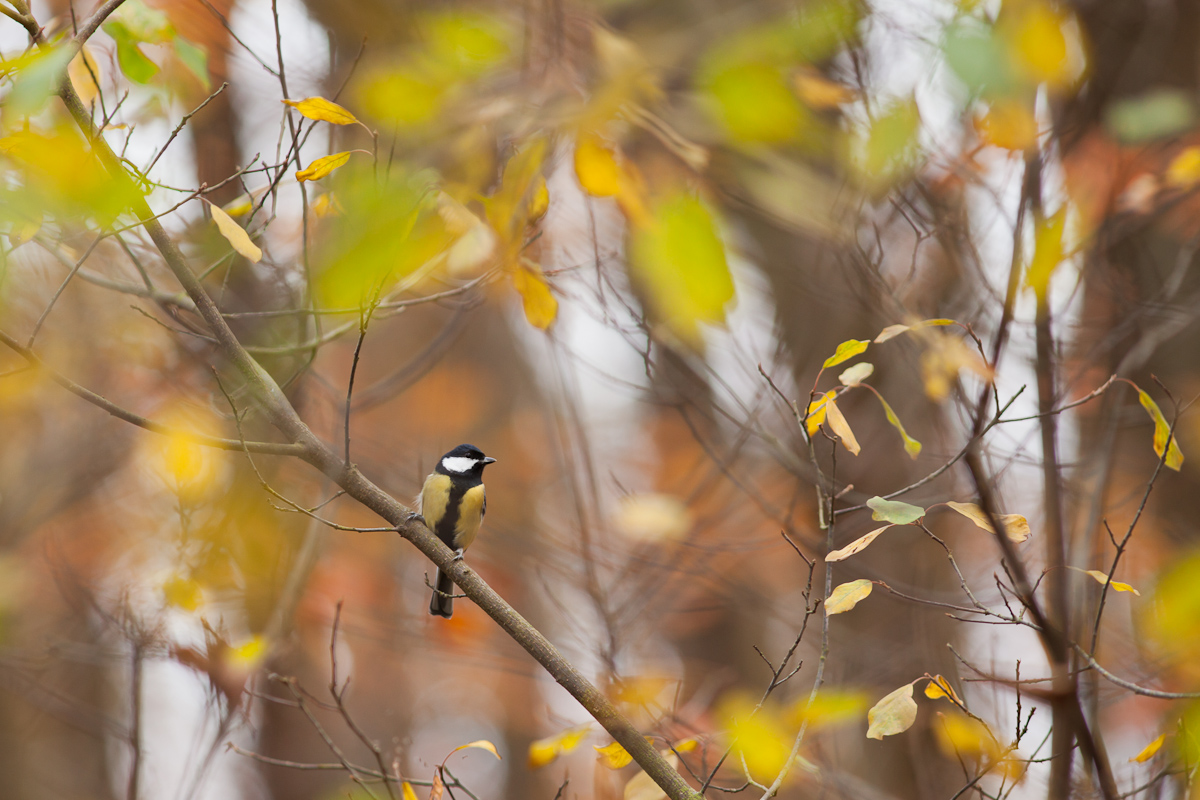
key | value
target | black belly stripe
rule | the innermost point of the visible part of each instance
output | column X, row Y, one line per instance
column 449, row 521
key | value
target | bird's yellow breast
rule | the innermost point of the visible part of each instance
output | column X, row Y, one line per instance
column 469, row 517
column 434, row 495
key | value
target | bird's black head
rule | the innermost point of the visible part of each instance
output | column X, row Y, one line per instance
column 464, row 460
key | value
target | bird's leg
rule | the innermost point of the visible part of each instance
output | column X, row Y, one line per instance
column 458, row 555
column 413, row 516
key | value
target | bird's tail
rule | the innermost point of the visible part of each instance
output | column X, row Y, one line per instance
column 442, row 603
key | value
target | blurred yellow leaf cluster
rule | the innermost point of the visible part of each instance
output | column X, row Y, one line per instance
column 652, row 517
column 678, row 260
column 187, row 467
column 762, row 739
column 387, row 232
column 886, row 150
column 759, row 85
column 456, row 47
column 1029, row 44
column 56, row 171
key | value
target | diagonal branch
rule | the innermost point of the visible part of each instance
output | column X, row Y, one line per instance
column 283, row 416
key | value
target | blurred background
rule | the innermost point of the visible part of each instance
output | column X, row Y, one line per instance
column 612, row 244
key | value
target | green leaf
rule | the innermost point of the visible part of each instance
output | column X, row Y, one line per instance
column 1162, row 431
column 889, row 149
column 36, row 81
column 1154, row 115
column 755, row 103
column 679, row 259
column 846, row 351
column 911, row 445
column 894, row 511
column 195, row 58
column 979, row 58
column 133, row 62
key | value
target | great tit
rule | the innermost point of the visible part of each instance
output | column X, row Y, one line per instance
column 452, row 503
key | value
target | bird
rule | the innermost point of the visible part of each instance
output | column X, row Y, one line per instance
column 453, row 503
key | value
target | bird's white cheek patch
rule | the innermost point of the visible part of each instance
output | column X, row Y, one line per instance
column 458, row 464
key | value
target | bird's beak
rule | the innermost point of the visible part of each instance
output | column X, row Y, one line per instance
column 488, row 460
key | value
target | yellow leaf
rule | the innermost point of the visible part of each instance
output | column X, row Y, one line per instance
column 686, row 746
column 753, row 101
column 652, row 517
column 762, row 739
column 544, row 751
column 858, row 545
column 322, row 166
column 892, row 331
column 911, row 445
column 613, row 755
column 889, row 149
column 816, row 412
column 830, row 707
column 820, row 93
column 406, row 791
column 639, row 690
column 25, row 228
column 1009, row 124
column 319, row 108
column 84, row 72
column 539, row 204
column 1048, row 251
column 1184, row 170
column 847, row 596
column 406, row 97
column 540, row 306
column 235, row 235
column 1102, row 578
column 894, row 713
column 643, row 787
column 1149, row 750
column 508, row 210
column 960, row 735
column 1044, row 39
column 472, row 251
column 841, row 428
column 942, row 361
column 251, row 653
column 679, row 260
column 189, row 466
column 1016, row 527
column 846, row 351
column 478, row 744
column 596, row 167
column 183, row 593
column 325, row 205
column 940, row 687
column 856, row 374
column 1162, row 431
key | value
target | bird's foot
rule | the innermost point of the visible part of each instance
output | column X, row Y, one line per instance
column 413, row 516
column 458, row 555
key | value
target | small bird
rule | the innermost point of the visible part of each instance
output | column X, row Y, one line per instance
column 453, row 503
